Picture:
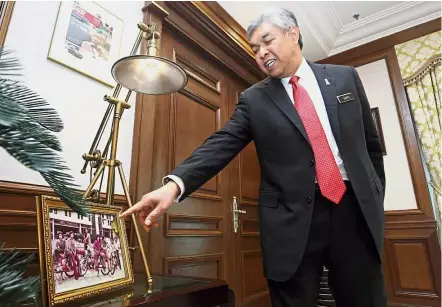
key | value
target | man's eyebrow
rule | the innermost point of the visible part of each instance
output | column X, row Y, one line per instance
column 262, row 38
column 265, row 35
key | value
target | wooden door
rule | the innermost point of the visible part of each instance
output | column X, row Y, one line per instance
column 196, row 237
column 250, row 284
column 195, row 234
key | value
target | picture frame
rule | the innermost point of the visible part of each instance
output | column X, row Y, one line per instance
column 378, row 124
column 87, row 39
column 74, row 265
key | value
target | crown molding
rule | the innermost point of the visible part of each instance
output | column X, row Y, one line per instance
column 387, row 32
column 334, row 16
column 313, row 30
column 386, row 42
column 219, row 17
column 378, row 16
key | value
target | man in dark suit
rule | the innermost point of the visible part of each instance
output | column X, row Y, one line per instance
column 322, row 187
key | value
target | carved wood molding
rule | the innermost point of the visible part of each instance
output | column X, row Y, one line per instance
column 180, row 225
column 206, row 79
column 430, row 224
column 19, row 226
column 7, row 212
column 173, row 264
column 37, row 190
column 206, row 19
column 226, row 23
column 30, row 250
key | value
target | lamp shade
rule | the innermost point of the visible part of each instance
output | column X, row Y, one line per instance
column 149, row 74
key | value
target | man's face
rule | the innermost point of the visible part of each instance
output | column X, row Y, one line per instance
column 276, row 52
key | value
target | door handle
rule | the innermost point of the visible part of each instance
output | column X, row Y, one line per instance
column 235, row 212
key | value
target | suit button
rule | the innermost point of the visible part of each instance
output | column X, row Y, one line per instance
column 311, row 162
column 309, row 200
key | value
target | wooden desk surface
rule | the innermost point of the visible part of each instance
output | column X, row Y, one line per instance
column 166, row 291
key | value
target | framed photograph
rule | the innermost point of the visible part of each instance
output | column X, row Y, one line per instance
column 87, row 39
column 378, row 124
column 81, row 256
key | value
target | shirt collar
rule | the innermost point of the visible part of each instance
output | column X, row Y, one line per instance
column 302, row 72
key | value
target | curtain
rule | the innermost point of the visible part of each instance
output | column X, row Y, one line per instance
column 424, row 94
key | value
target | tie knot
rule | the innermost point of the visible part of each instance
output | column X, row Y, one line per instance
column 294, row 79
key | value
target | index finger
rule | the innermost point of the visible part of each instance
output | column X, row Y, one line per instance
column 135, row 208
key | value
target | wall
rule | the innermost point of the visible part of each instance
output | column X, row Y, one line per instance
column 77, row 98
column 399, row 194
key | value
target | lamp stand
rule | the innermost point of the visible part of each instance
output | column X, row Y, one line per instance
column 99, row 161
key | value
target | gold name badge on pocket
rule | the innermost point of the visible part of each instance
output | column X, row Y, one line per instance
column 345, row 98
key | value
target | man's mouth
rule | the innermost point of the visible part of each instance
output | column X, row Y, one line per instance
column 269, row 63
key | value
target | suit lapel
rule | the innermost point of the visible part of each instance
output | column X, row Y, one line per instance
column 277, row 93
column 328, row 90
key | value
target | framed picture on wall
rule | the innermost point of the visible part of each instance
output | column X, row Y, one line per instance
column 81, row 256
column 378, row 124
column 87, row 39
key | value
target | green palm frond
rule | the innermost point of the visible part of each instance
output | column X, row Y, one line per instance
column 8, row 66
column 63, row 185
column 14, row 288
column 32, row 130
column 29, row 151
column 11, row 112
column 26, row 125
column 36, row 156
column 13, row 93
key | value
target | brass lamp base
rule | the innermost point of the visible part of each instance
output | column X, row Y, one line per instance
column 112, row 163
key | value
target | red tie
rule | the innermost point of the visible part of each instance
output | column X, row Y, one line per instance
column 327, row 172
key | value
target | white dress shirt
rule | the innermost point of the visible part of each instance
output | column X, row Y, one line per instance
column 308, row 81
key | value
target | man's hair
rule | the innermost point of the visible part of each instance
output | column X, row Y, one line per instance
column 279, row 17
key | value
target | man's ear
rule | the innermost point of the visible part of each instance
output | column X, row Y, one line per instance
column 294, row 33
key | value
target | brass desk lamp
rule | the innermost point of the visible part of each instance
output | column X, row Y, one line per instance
column 147, row 74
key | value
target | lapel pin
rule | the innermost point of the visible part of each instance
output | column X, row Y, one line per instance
column 326, row 81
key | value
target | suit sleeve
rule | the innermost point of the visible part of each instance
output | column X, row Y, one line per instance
column 371, row 134
column 217, row 151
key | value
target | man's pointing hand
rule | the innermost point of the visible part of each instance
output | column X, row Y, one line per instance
column 152, row 205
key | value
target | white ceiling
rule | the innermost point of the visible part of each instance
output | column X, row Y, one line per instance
column 329, row 28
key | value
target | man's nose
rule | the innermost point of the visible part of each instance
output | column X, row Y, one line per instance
column 263, row 53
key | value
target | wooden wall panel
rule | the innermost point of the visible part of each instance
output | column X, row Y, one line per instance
column 184, row 225
column 204, row 266
column 412, row 263
column 194, row 119
column 256, row 285
column 250, row 175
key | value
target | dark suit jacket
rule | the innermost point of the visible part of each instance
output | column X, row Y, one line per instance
column 266, row 115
